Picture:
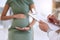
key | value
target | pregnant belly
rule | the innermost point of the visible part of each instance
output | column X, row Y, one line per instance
column 20, row 22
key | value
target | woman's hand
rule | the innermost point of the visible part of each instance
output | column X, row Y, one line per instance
column 18, row 28
column 52, row 19
column 43, row 26
column 18, row 16
column 23, row 29
column 27, row 28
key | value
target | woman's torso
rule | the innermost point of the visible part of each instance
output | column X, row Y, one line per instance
column 20, row 6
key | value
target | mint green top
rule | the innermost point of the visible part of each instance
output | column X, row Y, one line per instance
column 20, row 6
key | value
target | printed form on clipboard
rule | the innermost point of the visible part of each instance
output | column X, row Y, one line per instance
column 39, row 16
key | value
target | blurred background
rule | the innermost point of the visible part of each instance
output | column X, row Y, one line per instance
column 42, row 6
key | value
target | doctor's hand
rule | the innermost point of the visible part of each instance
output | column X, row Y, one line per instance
column 52, row 19
column 43, row 26
column 18, row 16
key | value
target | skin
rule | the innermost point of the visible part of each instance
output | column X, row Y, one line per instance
column 17, row 16
column 52, row 19
column 0, row 18
column 43, row 26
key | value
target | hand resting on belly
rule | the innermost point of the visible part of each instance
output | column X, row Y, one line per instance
column 23, row 29
column 18, row 16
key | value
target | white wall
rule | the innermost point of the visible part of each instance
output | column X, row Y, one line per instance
column 2, row 3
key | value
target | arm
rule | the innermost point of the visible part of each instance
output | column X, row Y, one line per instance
column 32, row 6
column 4, row 17
column 33, row 21
column 0, row 18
